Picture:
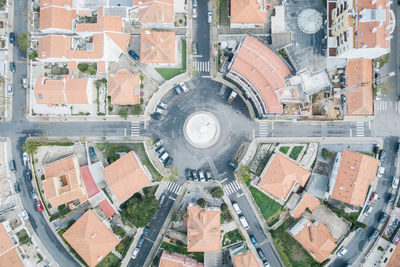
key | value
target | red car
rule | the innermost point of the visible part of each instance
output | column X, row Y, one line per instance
column 39, row 206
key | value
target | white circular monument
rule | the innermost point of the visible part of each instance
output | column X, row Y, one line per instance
column 201, row 129
column 310, row 21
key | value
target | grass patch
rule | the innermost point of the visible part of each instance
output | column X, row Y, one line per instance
column 232, row 237
column 293, row 254
column 170, row 248
column 326, row 154
column 64, row 211
column 124, row 245
column 168, row 73
column 110, row 261
column 294, row 154
column 23, row 237
column 368, row 154
column 268, row 207
column 119, row 231
column 284, row 149
column 223, row 12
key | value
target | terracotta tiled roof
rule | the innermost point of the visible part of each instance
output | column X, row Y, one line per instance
column 176, row 260
column 125, row 177
column 63, row 182
column 104, row 23
column 355, row 173
column 72, row 66
column 123, row 87
column 59, row 3
column 120, row 39
column 10, row 258
column 264, row 69
column 245, row 260
column 281, row 175
column 316, row 239
column 54, row 46
column 88, row 181
column 395, row 258
column 307, row 201
column 157, row 47
column 107, row 208
column 156, row 11
column 57, row 18
column 247, row 11
column 360, row 99
column 66, row 91
column 366, row 35
column 5, row 241
column 101, row 67
column 203, row 230
column 90, row 238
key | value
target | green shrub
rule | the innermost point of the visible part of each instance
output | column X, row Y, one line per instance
column 201, row 202
column 216, row 192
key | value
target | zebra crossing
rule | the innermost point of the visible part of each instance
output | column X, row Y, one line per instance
column 174, row 187
column 382, row 105
column 231, row 188
column 360, row 128
column 135, row 128
column 203, row 66
column 264, row 129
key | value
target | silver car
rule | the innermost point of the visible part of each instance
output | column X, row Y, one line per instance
column 159, row 110
column 184, row 87
column 10, row 90
column 162, row 105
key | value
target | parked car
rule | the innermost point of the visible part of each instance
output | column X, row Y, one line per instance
column 381, row 171
column 16, row 187
column 341, row 252
column 195, row 13
column 368, row 210
column 12, row 66
column 374, row 197
column 244, row 223
column 33, row 194
column 28, row 175
column 25, row 158
column 373, row 235
column 178, row 89
column 156, row 116
column 267, row 264
column 135, row 253
column 10, row 90
column 24, row 215
column 395, row 182
column 233, row 164
column 261, row 254
column 145, row 230
column 253, row 240
column 381, row 154
column 377, row 78
column 391, row 199
column 202, row 178
column 160, row 151
column 25, row 83
column 11, row 164
column 187, row 173
column 39, row 206
column 162, row 104
column 163, row 157
column 133, row 55
column 232, row 96
column 194, row 3
column 208, row 175
column 236, row 207
column 159, row 110
column 92, row 153
column 162, row 198
column 140, row 242
column 168, row 162
column 184, row 87
column 194, row 175
column 209, row 17
column 382, row 218
column 12, row 37
column 194, row 48
column 158, row 143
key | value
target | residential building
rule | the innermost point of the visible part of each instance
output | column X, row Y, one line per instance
column 394, row 257
column 351, row 176
column 246, row 259
column 107, row 208
column 155, row 13
column 90, row 238
column 56, row 16
column 157, row 47
column 203, row 229
column 315, row 237
column 280, row 177
column 68, row 90
column 8, row 252
column 177, row 260
column 249, row 13
column 63, row 182
column 359, row 28
column 359, row 96
column 126, row 176
column 307, row 202
column 124, row 88
column 259, row 71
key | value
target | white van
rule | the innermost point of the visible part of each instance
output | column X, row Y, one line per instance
column 236, row 208
column 164, row 157
column 244, row 223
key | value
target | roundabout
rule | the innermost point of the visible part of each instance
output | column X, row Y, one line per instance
column 201, row 129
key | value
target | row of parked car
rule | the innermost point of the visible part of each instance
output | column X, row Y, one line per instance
column 162, row 154
column 139, row 243
column 159, row 110
column 200, row 175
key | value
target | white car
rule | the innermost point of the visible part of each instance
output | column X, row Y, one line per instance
column 25, row 83
column 135, row 253
column 395, row 182
column 159, row 110
column 236, row 208
column 341, row 252
column 10, row 90
column 368, row 210
column 184, row 87
column 162, row 105
column 209, row 17
column 25, row 158
column 194, row 13
column 24, row 215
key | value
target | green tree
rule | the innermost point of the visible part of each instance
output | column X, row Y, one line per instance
column 30, row 146
column 139, row 211
column 32, row 55
column 24, row 40
column 137, row 109
column 243, row 174
column 123, row 113
column 224, row 207
column 83, row 67
column 216, row 192
column 201, row 202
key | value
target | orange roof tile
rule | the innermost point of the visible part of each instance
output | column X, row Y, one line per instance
column 63, row 182
column 123, row 87
column 90, row 238
column 5, row 241
column 247, row 11
column 54, row 46
column 125, row 176
column 307, row 201
column 355, row 173
column 157, row 47
column 59, row 3
column 156, row 11
column 101, row 67
column 245, row 260
column 90, row 185
column 104, row 23
column 53, row 17
column 11, row 258
column 106, row 207
column 359, row 99
column 281, row 175
column 203, row 230
column 176, row 260
column 264, row 69
column 316, row 239
column 66, row 91
column 395, row 258
column 372, row 33
column 120, row 39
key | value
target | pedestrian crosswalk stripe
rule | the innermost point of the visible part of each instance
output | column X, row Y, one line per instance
column 174, row 187
column 231, row 188
column 135, row 128
column 202, row 66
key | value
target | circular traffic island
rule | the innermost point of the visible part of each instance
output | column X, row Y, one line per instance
column 201, row 129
